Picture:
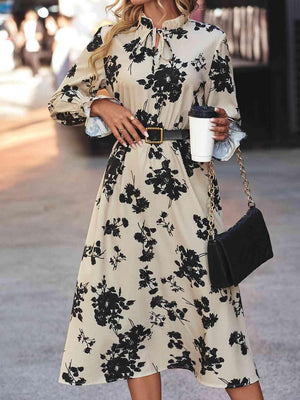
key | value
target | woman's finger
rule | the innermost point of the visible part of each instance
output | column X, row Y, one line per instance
column 132, row 131
column 137, row 124
column 118, row 136
column 220, row 137
column 114, row 125
column 222, row 116
column 219, row 129
column 124, row 132
column 221, row 111
column 219, row 121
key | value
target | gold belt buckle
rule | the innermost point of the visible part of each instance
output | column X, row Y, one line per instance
column 147, row 140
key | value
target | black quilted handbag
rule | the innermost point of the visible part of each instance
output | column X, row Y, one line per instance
column 235, row 253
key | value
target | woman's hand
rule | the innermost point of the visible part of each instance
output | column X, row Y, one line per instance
column 119, row 120
column 220, row 125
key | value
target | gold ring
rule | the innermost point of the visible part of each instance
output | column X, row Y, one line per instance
column 122, row 129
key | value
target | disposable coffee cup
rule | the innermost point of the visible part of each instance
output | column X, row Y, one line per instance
column 201, row 138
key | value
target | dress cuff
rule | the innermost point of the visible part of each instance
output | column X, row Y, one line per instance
column 224, row 150
column 95, row 126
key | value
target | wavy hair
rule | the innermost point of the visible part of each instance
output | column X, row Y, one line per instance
column 127, row 15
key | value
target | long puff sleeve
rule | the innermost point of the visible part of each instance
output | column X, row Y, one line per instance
column 220, row 91
column 70, row 103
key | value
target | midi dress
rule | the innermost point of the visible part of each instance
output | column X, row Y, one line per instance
column 143, row 301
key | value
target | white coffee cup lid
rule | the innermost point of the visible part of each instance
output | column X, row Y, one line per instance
column 202, row 112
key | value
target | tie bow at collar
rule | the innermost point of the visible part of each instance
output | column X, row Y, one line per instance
column 150, row 31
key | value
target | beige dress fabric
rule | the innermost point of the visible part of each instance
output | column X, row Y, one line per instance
column 143, row 301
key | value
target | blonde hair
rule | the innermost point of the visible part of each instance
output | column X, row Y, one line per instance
column 128, row 14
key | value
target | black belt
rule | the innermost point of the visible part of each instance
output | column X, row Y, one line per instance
column 158, row 135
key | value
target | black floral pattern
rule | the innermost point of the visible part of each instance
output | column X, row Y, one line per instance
column 199, row 93
column 220, row 73
column 108, row 305
column 147, row 280
column 176, row 33
column 234, row 299
column 199, row 62
column 183, row 360
column 157, row 319
column 156, row 152
column 93, row 251
column 190, row 266
column 164, row 223
column 80, row 290
column 96, row 42
column 203, row 225
column 164, row 182
column 117, row 257
column 89, row 343
column 239, row 339
column 70, row 92
column 237, row 304
column 115, row 167
column 174, row 313
column 146, row 22
column 210, row 361
column 70, row 118
column 148, row 242
column 122, row 359
column 112, row 68
column 72, row 375
column 179, row 124
column 236, row 383
column 208, row 27
column 132, row 195
column 89, row 84
column 166, row 82
column 137, row 53
column 72, row 71
column 203, row 309
column 182, row 147
column 147, row 118
column 113, row 228
column 171, row 281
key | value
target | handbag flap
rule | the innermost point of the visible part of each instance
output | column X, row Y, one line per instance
column 246, row 245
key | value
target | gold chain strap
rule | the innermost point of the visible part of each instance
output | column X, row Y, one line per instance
column 211, row 189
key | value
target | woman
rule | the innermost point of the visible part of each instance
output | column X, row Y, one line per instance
column 143, row 300
column 32, row 33
column 62, row 48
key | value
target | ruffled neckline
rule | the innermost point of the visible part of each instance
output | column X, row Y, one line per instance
column 172, row 23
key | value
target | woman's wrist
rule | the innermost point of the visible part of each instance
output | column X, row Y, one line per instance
column 95, row 108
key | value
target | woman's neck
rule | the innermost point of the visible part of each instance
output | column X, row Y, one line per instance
column 153, row 11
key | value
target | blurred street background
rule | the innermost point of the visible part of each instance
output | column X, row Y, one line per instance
column 50, row 175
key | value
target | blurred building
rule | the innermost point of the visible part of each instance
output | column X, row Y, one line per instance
column 264, row 40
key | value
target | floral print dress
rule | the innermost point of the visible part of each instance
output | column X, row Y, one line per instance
column 143, row 301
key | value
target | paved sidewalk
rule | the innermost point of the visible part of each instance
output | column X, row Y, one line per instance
column 49, row 182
